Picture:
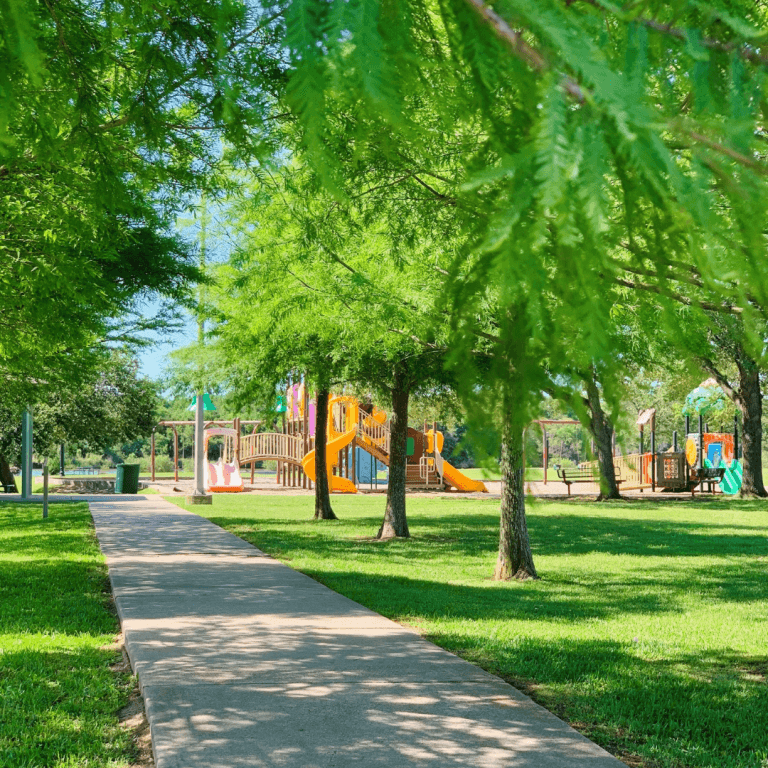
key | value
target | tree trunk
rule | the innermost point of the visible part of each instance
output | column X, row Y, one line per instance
column 323, row 509
column 602, row 430
column 750, row 402
column 515, row 559
column 395, row 523
column 6, row 476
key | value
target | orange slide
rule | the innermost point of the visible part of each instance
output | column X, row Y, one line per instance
column 459, row 480
column 332, row 449
column 336, row 441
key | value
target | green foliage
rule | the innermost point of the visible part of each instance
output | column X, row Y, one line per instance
column 600, row 153
column 109, row 405
column 704, row 401
column 111, row 116
column 320, row 288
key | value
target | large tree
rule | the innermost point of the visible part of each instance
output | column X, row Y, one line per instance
column 111, row 115
column 619, row 146
column 730, row 359
column 108, row 404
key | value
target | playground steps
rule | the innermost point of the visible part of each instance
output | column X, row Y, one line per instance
column 413, row 479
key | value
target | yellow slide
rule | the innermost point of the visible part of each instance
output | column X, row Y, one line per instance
column 460, row 481
column 451, row 475
column 332, row 449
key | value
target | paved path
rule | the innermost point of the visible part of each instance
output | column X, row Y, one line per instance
column 245, row 662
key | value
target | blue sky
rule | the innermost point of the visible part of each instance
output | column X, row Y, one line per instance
column 154, row 359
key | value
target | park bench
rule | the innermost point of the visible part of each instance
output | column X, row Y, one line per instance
column 570, row 475
column 84, row 471
column 8, row 488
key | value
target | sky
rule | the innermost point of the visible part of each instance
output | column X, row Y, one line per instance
column 153, row 360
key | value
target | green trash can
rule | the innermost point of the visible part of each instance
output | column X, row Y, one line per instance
column 127, row 478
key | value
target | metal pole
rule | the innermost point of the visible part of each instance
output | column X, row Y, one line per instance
column 45, row 487
column 61, row 459
column 653, row 460
column 701, row 450
column 199, row 439
column 26, row 454
column 674, row 442
column 199, row 401
column 546, row 451
column 253, row 463
column 701, row 440
column 151, row 455
column 176, row 455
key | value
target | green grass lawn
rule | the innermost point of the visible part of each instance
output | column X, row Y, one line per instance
column 647, row 631
column 58, row 694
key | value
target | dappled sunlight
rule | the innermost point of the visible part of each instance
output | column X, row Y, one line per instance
column 647, row 628
column 245, row 661
column 310, row 724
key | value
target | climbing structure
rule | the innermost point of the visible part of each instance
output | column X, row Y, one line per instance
column 350, row 425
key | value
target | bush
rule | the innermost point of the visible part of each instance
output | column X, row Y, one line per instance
column 162, row 464
column 90, row 460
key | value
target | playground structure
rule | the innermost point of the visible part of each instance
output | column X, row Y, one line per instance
column 707, row 459
column 353, row 431
column 223, row 476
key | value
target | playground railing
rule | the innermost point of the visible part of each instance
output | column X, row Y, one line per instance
column 269, row 445
column 634, row 469
column 370, row 431
column 429, row 473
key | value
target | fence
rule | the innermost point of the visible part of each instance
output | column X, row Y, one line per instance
column 633, row 469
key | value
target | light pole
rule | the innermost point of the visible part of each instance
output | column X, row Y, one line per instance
column 199, row 448
column 199, row 496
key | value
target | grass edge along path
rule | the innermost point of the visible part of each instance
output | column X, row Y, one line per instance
column 62, row 677
column 647, row 632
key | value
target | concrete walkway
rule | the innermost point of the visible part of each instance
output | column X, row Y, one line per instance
column 245, row 662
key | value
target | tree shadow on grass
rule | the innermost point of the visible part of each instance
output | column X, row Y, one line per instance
column 672, row 707
column 551, row 534
column 686, row 710
column 51, row 579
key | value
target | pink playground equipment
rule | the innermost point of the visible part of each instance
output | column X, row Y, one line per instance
column 223, row 476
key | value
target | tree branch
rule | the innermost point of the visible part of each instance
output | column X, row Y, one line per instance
column 709, row 366
column 520, row 48
column 536, row 61
column 708, row 306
